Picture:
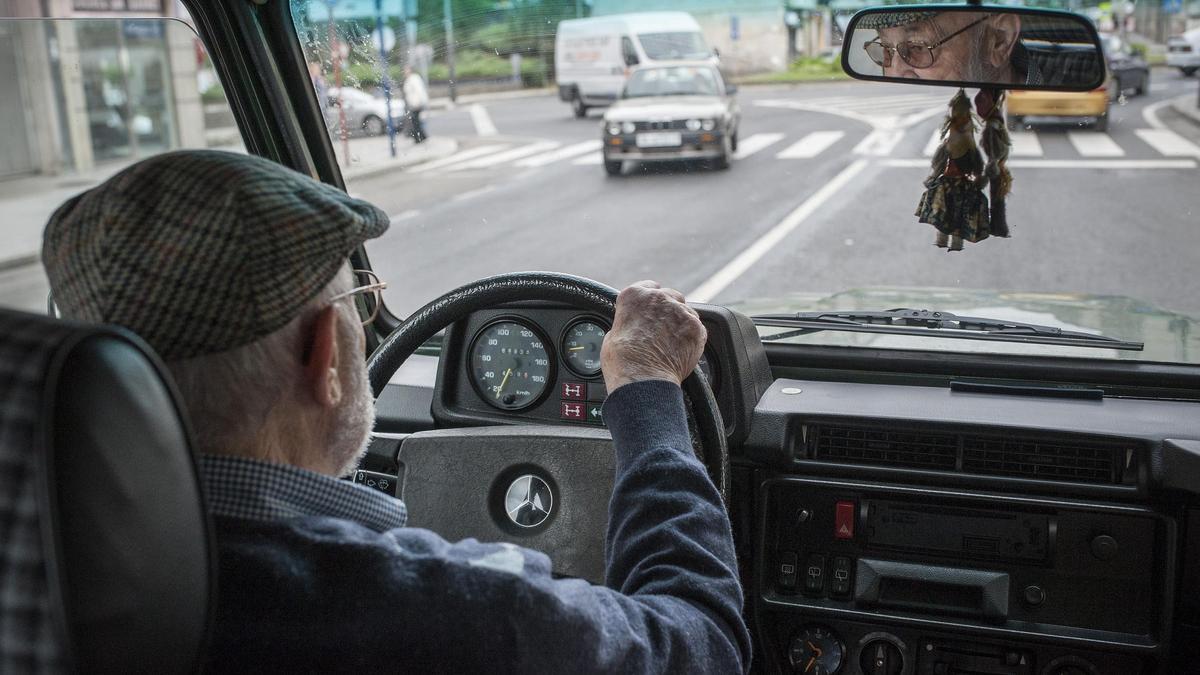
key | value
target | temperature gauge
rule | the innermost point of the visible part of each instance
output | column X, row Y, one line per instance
column 581, row 347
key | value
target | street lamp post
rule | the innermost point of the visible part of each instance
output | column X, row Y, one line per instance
column 387, row 78
column 448, row 15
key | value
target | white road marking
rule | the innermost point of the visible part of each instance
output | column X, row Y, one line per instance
column 404, row 215
column 752, row 144
column 811, row 145
column 1168, row 142
column 1025, row 144
column 1115, row 164
column 506, row 156
column 934, row 141
column 461, row 156
column 471, row 194
column 589, row 160
column 753, row 253
column 482, row 120
column 1150, row 114
column 560, row 154
column 1095, row 144
column 879, row 143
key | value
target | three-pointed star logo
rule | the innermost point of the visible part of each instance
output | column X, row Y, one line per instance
column 528, row 501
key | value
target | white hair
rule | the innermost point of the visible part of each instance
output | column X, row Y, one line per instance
column 230, row 395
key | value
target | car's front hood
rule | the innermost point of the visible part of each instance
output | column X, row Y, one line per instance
column 1168, row 336
column 664, row 107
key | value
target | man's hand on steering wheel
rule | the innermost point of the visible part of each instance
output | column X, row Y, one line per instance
column 655, row 336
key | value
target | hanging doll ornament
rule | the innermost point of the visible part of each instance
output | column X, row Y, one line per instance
column 989, row 103
column 953, row 201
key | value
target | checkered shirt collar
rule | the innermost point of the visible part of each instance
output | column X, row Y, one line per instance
column 240, row 487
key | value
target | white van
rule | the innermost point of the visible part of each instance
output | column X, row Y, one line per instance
column 592, row 56
column 1183, row 52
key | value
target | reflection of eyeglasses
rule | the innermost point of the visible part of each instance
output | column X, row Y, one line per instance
column 371, row 292
column 915, row 53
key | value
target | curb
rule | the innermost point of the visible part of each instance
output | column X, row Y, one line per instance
column 15, row 262
column 443, row 103
column 357, row 172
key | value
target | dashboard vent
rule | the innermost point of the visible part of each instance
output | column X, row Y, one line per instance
column 1080, row 460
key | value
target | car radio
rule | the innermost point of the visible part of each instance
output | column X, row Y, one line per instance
column 905, row 564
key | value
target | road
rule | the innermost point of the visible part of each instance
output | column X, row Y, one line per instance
column 1103, row 213
column 819, row 199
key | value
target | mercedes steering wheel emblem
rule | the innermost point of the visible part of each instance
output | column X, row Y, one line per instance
column 528, row 501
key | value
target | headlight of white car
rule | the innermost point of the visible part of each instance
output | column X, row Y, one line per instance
column 694, row 125
column 709, row 125
column 629, row 127
column 614, row 129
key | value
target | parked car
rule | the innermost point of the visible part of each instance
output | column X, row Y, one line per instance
column 673, row 112
column 1183, row 52
column 592, row 57
column 1128, row 73
column 365, row 114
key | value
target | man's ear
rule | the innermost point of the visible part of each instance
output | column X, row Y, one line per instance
column 321, row 367
column 1004, row 31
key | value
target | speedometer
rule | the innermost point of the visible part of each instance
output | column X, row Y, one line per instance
column 510, row 366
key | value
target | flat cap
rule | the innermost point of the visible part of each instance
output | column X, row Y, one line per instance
column 893, row 19
column 200, row 251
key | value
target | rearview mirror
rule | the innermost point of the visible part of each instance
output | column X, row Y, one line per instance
column 974, row 46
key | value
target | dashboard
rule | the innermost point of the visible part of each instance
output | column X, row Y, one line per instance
column 892, row 516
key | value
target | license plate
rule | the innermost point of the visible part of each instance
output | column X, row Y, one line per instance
column 659, row 139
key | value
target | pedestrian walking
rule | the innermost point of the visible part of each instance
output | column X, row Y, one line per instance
column 416, row 99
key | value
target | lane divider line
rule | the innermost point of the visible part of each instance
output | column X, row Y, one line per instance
column 753, row 253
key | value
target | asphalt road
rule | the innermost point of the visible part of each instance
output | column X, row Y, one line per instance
column 820, row 201
column 1101, row 213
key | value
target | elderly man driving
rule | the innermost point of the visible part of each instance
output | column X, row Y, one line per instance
column 235, row 270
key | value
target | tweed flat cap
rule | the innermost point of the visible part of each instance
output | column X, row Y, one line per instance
column 200, row 251
column 893, row 19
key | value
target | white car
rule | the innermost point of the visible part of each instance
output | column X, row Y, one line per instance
column 365, row 114
column 1183, row 52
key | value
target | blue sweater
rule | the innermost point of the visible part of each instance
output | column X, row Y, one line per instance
column 314, row 593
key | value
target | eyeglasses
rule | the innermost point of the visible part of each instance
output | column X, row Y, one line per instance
column 371, row 293
column 915, row 53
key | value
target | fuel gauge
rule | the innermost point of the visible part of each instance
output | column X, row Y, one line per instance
column 581, row 347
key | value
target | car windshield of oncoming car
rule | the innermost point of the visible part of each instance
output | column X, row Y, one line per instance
column 672, row 81
column 816, row 206
column 84, row 97
column 676, row 45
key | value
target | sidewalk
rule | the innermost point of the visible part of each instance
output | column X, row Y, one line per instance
column 27, row 203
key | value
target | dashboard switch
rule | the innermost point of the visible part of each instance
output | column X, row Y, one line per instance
column 574, row 391
column 843, row 520
column 572, row 411
column 840, row 584
column 787, row 571
column 814, row 573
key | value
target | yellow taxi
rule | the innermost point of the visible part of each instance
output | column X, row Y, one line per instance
column 1094, row 104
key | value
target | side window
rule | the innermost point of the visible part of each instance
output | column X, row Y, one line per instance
column 83, row 99
column 629, row 52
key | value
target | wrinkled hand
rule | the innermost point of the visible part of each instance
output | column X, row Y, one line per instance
column 655, row 336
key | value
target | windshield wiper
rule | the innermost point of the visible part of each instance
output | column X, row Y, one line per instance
column 935, row 324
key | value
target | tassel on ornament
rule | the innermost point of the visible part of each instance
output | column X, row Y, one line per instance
column 997, row 144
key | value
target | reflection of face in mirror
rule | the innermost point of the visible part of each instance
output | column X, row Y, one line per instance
column 947, row 46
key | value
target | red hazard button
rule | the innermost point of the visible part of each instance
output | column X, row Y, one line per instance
column 843, row 520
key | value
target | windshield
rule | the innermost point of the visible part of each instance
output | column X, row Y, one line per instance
column 801, row 191
column 674, row 81
column 680, row 45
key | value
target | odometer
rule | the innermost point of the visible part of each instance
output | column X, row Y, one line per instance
column 510, row 366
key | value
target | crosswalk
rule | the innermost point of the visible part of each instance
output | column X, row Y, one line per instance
column 890, row 146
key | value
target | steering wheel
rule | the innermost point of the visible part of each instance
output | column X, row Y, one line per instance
column 544, row 487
